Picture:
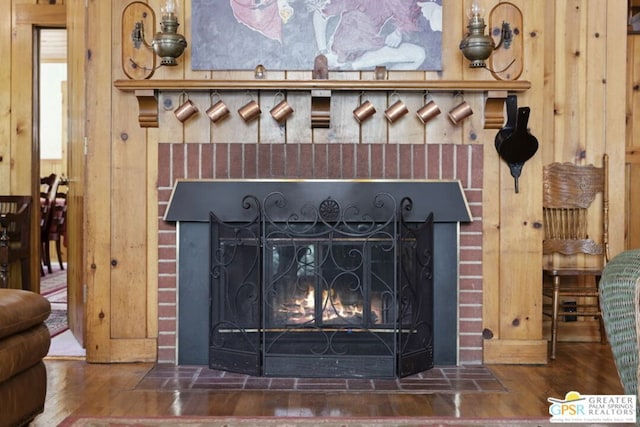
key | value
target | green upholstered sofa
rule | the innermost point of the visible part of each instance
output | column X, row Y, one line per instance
column 620, row 301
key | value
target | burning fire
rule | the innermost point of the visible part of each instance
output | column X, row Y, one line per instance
column 303, row 309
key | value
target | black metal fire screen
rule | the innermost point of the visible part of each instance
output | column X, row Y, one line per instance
column 323, row 287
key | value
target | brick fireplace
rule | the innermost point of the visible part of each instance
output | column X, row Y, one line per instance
column 326, row 161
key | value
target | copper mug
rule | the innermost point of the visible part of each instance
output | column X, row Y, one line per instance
column 364, row 111
column 460, row 112
column 395, row 111
column 428, row 111
column 250, row 111
column 217, row 111
column 282, row 110
column 186, row 109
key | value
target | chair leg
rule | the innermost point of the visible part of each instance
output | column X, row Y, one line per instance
column 47, row 257
column 25, row 266
column 59, row 253
column 554, row 316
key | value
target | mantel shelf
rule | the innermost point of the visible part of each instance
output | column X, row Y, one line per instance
column 344, row 85
column 497, row 90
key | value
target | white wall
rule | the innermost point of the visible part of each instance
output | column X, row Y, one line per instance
column 51, row 77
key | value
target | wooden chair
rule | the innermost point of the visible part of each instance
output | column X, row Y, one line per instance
column 15, row 238
column 58, row 224
column 48, row 190
column 571, row 195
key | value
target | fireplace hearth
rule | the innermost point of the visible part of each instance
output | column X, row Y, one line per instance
column 320, row 278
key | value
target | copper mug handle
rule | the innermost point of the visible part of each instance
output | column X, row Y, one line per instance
column 282, row 110
column 186, row 109
column 250, row 111
column 396, row 110
column 218, row 110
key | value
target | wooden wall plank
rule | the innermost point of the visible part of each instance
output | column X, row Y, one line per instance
column 98, row 189
column 594, row 142
column 41, row 15
column 76, row 29
column 127, row 211
column 25, row 147
column 632, row 225
column 615, row 115
column 520, row 242
column 5, row 101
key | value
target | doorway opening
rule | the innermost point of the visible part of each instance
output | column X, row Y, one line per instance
column 51, row 133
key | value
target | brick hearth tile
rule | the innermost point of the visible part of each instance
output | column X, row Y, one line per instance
column 360, row 384
column 259, row 383
column 447, row 162
column 334, row 157
column 164, row 160
column 206, row 161
column 306, row 168
column 464, row 385
column 236, row 167
column 391, row 161
column 462, row 165
column 177, row 162
column 320, row 163
column 218, row 386
column 264, row 161
column 362, row 160
column 277, row 161
column 193, row 161
column 212, row 373
column 283, row 383
column 348, row 161
column 292, row 161
column 221, row 163
column 152, row 383
column 250, row 167
column 405, row 161
column 419, row 161
column 433, row 161
column 323, row 381
column 387, row 385
column 377, row 160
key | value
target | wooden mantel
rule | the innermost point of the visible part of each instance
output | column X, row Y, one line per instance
column 497, row 90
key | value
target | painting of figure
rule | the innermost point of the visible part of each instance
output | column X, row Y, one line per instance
column 289, row 34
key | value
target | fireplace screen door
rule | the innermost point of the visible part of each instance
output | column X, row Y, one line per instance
column 326, row 289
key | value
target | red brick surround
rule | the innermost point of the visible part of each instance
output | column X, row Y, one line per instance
column 335, row 161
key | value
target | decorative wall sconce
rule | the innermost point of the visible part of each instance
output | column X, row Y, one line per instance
column 260, row 72
column 477, row 46
column 167, row 43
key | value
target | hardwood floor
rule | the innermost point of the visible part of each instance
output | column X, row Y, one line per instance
column 79, row 388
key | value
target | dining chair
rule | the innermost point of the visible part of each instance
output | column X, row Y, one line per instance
column 576, row 216
column 58, row 224
column 15, row 240
column 48, row 190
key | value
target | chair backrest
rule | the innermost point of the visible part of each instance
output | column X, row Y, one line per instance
column 48, row 190
column 15, row 222
column 58, row 224
column 568, row 193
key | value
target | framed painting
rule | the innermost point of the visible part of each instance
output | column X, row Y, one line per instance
column 289, row 34
column 633, row 24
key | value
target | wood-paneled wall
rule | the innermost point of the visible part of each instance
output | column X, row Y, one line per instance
column 574, row 58
column 632, row 220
